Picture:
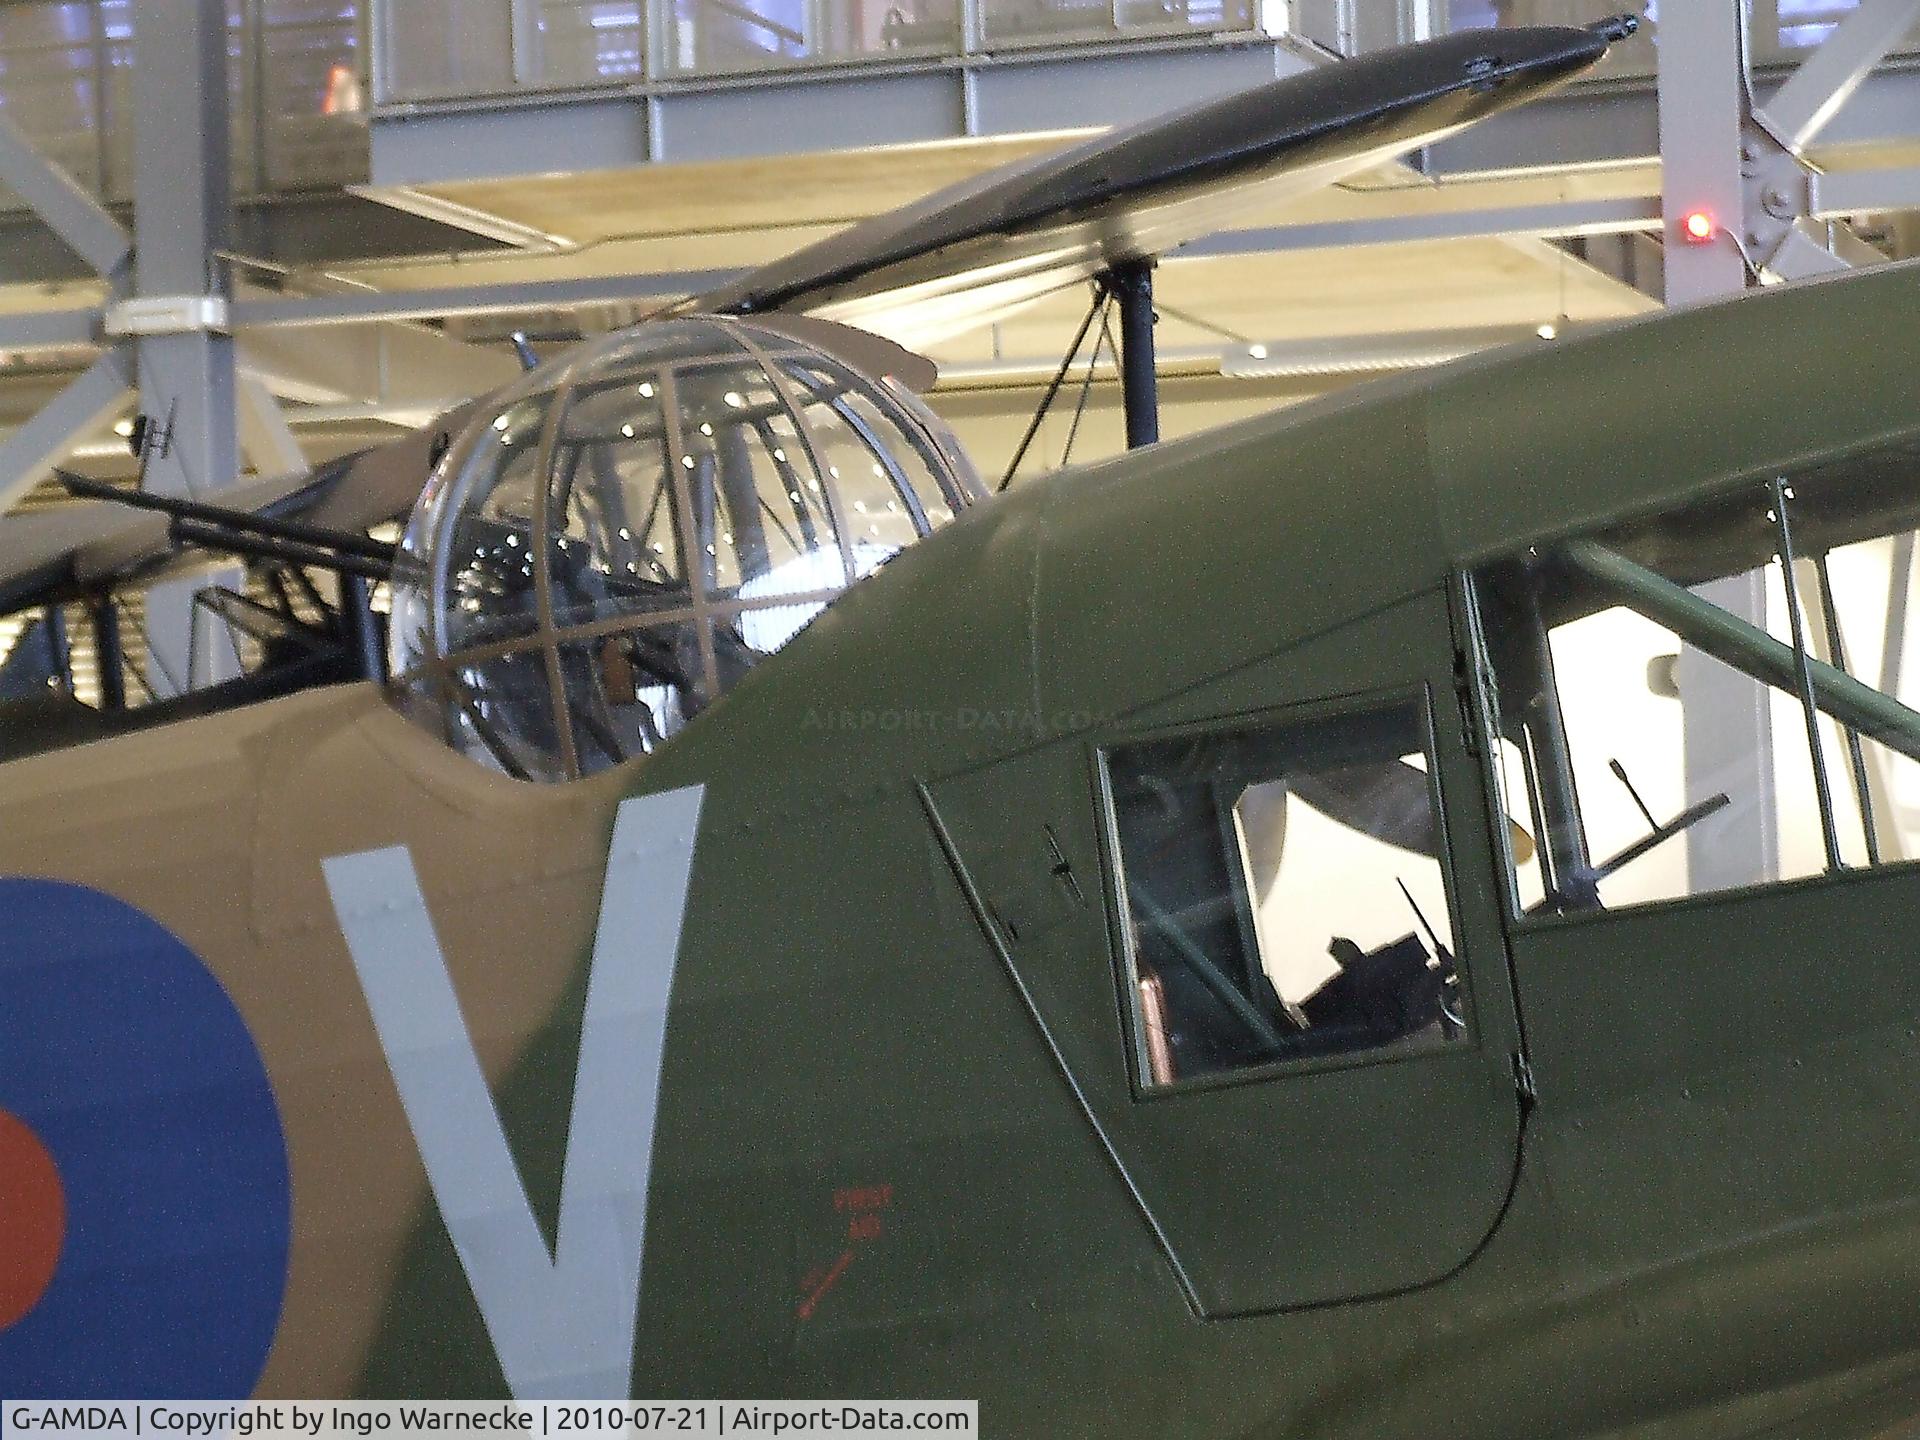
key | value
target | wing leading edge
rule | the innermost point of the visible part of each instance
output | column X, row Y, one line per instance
column 969, row 254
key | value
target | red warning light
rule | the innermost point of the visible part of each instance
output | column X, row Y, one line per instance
column 343, row 92
column 1697, row 227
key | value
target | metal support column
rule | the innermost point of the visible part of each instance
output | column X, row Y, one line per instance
column 1702, row 102
column 182, row 211
column 1131, row 282
column 59, row 646
column 109, row 655
column 1728, row 740
column 361, row 626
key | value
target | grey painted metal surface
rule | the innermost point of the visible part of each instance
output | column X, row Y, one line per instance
column 1726, row 732
column 593, row 133
column 781, row 112
column 27, row 454
column 1700, row 115
column 1118, row 87
column 49, row 329
column 182, row 213
column 1619, row 124
column 1827, row 79
column 1849, row 192
column 74, row 215
column 840, row 112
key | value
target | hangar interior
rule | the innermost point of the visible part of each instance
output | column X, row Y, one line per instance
column 281, row 230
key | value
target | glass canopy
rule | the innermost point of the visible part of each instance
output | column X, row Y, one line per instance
column 611, row 546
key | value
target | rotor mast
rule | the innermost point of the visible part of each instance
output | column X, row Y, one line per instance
column 1131, row 284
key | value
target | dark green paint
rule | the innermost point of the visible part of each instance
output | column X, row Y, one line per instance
column 1709, row 1223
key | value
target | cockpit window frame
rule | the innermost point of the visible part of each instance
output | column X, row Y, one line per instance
column 1470, row 585
column 622, row 637
column 1418, row 697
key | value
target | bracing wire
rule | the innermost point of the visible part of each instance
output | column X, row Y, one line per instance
column 1105, row 341
column 1095, row 310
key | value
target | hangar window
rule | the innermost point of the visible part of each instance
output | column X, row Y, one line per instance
column 1686, row 713
column 1284, row 894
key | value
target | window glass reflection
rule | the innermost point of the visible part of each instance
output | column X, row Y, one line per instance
column 1285, row 894
column 879, row 508
column 614, row 511
column 490, row 574
column 661, row 510
column 1690, row 716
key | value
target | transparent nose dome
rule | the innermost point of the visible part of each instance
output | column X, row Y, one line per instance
column 607, row 551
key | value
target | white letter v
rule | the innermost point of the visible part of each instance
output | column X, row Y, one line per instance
column 562, row 1324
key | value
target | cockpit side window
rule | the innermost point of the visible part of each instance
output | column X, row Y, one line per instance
column 1284, row 893
column 1714, row 698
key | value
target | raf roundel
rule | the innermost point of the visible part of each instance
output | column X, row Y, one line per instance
column 145, row 1212
column 33, row 1219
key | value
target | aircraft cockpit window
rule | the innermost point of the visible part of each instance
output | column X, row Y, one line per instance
column 605, row 555
column 891, row 492
column 1284, row 894
column 489, row 567
column 1681, row 721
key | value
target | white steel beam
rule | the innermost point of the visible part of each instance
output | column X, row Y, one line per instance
column 361, row 306
column 182, row 218
column 1727, row 739
column 1802, row 255
column 31, row 452
column 57, row 198
column 49, row 329
column 1860, row 192
column 1538, row 222
column 405, row 367
column 1800, row 109
column 265, row 436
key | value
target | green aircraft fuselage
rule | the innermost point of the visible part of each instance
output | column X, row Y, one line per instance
column 824, row 1020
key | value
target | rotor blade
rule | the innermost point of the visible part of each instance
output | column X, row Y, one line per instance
column 966, row 254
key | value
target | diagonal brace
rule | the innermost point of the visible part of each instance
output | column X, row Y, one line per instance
column 30, row 452
column 1826, row 79
column 57, row 198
